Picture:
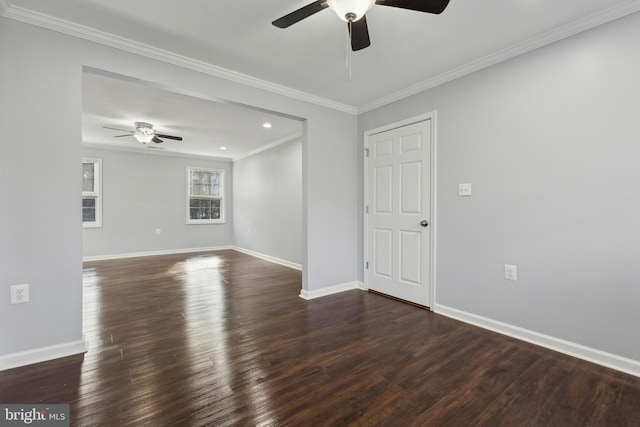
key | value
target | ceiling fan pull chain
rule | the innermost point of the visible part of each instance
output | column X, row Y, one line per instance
column 346, row 64
column 350, row 65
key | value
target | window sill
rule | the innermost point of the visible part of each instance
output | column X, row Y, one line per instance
column 206, row 222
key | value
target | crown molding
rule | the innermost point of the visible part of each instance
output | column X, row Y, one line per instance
column 560, row 33
column 30, row 17
column 143, row 149
column 45, row 21
column 151, row 152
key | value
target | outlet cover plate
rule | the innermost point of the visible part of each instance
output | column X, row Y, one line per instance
column 464, row 189
column 19, row 294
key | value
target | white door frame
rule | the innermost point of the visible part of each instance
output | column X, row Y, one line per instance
column 432, row 244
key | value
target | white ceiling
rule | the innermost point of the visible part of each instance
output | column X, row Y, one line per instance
column 234, row 39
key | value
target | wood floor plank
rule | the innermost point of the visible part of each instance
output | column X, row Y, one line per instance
column 222, row 339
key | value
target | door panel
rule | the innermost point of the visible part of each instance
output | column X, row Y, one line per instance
column 383, row 189
column 399, row 195
column 410, row 188
column 383, row 243
column 383, row 148
column 410, row 255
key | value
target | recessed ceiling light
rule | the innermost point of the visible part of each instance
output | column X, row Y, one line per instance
column 223, row 148
column 266, row 125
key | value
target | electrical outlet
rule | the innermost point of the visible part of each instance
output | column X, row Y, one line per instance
column 19, row 294
column 511, row 272
column 464, row 189
column 158, row 231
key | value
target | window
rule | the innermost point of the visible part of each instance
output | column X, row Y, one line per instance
column 91, row 189
column 205, row 196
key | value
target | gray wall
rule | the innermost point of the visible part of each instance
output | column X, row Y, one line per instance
column 40, row 229
column 142, row 192
column 267, row 199
column 41, row 233
column 551, row 144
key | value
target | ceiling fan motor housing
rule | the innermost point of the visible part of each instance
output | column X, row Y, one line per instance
column 145, row 128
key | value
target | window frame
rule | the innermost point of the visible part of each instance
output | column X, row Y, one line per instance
column 96, row 193
column 222, row 176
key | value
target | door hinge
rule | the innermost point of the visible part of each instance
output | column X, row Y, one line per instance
column 366, row 209
column 366, row 265
column 366, row 152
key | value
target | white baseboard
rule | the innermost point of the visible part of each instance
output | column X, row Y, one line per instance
column 43, row 354
column 268, row 258
column 154, row 253
column 330, row 290
column 610, row 360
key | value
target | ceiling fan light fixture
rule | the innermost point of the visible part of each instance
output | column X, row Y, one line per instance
column 350, row 10
column 144, row 138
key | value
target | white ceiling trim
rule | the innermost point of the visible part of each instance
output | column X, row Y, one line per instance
column 83, row 32
column 152, row 152
column 569, row 30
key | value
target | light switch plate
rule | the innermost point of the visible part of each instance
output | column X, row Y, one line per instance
column 510, row 272
column 464, row 189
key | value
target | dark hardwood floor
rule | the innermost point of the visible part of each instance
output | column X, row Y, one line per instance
column 222, row 338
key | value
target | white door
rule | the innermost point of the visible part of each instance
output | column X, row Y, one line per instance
column 399, row 212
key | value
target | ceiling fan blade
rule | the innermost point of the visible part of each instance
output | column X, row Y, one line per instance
column 176, row 138
column 120, row 136
column 429, row 6
column 300, row 14
column 157, row 140
column 359, row 34
column 121, row 130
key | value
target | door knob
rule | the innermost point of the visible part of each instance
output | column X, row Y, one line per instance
column 424, row 223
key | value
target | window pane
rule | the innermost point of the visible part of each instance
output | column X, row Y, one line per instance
column 194, row 213
column 204, row 183
column 88, row 214
column 209, row 209
column 204, row 208
column 91, row 197
column 88, row 177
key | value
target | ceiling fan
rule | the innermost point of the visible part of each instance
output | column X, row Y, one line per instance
column 144, row 133
column 353, row 11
